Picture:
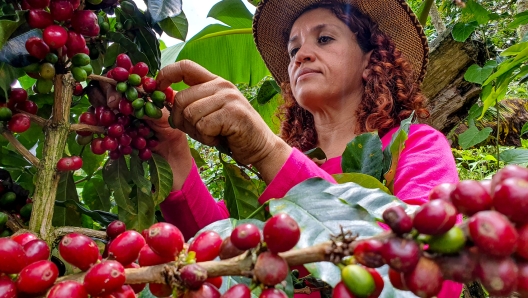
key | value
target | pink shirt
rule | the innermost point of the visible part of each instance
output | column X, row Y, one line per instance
column 425, row 162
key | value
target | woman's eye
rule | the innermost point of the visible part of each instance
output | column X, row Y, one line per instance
column 324, row 39
column 293, row 52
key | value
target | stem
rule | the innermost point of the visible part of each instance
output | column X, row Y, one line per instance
column 20, row 148
column 86, row 127
column 62, row 231
column 111, row 81
column 425, row 12
column 34, row 118
column 56, row 133
column 258, row 209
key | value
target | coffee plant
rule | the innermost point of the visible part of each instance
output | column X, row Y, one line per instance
column 81, row 184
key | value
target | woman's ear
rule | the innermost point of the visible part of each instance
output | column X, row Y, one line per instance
column 366, row 62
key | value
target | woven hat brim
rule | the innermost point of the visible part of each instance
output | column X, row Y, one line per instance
column 274, row 18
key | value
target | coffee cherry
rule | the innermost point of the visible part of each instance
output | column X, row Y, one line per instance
column 459, row 267
column 77, row 163
column 97, row 146
column 18, row 95
column 37, row 48
column 134, row 79
column 85, row 22
column 37, row 277
column 152, row 143
column 125, row 107
column 378, row 281
column 125, row 291
column 107, row 118
column 509, row 198
column 125, row 150
column 358, row 280
column 149, row 84
column 109, row 144
column 123, row 61
column 270, row 269
column 65, row 164
column 125, row 140
column 36, row 250
column 115, row 228
column 126, row 246
column 105, row 277
column 38, row 3
column 281, row 233
column 206, row 246
column 450, row 242
column 238, row 291
column 141, row 69
column 24, row 238
column 396, row 279
column 522, row 242
column 47, row 71
column 169, row 95
column 522, row 279
column 28, row 106
column 497, row 275
column 144, row 131
column 5, row 114
column 136, row 287
column 147, row 257
column 470, row 197
column 215, row 281
column 12, row 256
column 81, row 59
column 145, row 154
column 75, row 42
column 158, row 96
column 425, row 280
column 19, row 123
column 160, row 290
column 245, row 236
column 397, row 219
column 88, row 118
column 55, row 36
column 401, row 254
column 61, row 10
column 435, row 217
column 342, row 291
column 165, row 239
column 442, row 191
column 228, row 250
column 272, row 293
column 206, row 290
column 39, row 18
column 7, row 287
column 493, row 233
column 508, row 171
column 368, row 253
column 193, row 276
column 139, row 143
column 131, row 94
column 79, row 250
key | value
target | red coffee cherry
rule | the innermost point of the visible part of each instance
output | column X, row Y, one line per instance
column 125, row 140
column 104, row 278
column 19, row 123
column 76, row 42
column 206, row 290
column 115, row 228
column 425, row 280
column 79, row 250
column 378, row 281
column 18, row 95
column 109, row 143
column 459, row 267
column 442, row 191
column 193, row 276
column 120, row 74
column 470, row 197
column 97, row 146
column 123, row 61
column 228, row 250
column 125, row 291
column 24, row 238
column 206, row 246
column 215, row 281
column 498, row 275
column 65, row 164
column 77, row 163
column 107, row 118
column 125, row 107
column 270, row 269
column 165, row 239
column 401, row 254
column 510, row 198
column 141, row 69
column 281, row 233
column 272, row 293
column 38, row 3
column 39, row 18
column 152, row 143
column 149, row 84
column 55, row 36
column 396, row 279
column 238, row 291
column 88, row 118
column 12, row 256
column 435, row 217
column 522, row 242
column 493, row 233
column 368, row 253
column 397, row 219
column 85, row 22
column 37, row 277
column 169, row 95
column 160, row 290
column 28, row 106
column 36, row 250
column 7, row 287
column 508, row 171
column 147, row 257
column 37, row 48
column 341, row 291
column 61, row 10
column 145, row 154
column 522, row 279
column 116, row 130
column 125, row 248
column 245, row 236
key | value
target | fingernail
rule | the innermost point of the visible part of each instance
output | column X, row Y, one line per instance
column 171, row 122
column 111, row 99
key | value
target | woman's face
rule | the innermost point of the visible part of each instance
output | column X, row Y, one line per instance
column 326, row 62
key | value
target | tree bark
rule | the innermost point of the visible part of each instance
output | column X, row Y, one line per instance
column 522, row 6
column 56, row 132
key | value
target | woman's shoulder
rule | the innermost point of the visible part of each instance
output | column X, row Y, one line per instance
column 417, row 132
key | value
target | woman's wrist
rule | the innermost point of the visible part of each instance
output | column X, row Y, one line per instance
column 270, row 165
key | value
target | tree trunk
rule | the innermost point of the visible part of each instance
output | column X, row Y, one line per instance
column 522, row 5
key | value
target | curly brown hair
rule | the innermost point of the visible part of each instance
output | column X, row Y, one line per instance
column 391, row 94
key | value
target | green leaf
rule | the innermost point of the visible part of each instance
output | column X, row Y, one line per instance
column 364, row 180
column 10, row 158
column 524, row 129
column 475, row 12
column 91, row 161
column 240, row 193
column 161, row 178
column 170, row 54
column 116, row 175
column 138, row 175
column 149, row 44
column 473, row 136
column 232, row 13
column 66, row 190
column 321, row 209
column 514, row 156
column 197, row 158
column 391, row 154
column 7, row 27
column 111, row 54
column 8, row 75
column 26, row 81
column 268, row 112
column 515, row 49
column 96, row 194
column 461, row 31
column 519, row 20
column 102, row 217
column 267, row 91
column 142, row 217
column 162, row 9
column 363, row 155
column 316, row 153
column 176, row 27
column 244, row 64
column 477, row 74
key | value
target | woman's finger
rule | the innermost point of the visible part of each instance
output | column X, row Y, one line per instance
column 112, row 95
column 187, row 71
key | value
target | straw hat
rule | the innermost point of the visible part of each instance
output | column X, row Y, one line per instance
column 274, row 18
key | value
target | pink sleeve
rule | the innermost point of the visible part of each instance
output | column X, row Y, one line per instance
column 297, row 168
column 192, row 207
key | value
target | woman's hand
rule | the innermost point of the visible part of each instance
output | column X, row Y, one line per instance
column 213, row 110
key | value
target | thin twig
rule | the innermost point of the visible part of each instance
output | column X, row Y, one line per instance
column 34, row 118
column 63, row 231
column 20, row 148
column 86, row 127
column 111, row 81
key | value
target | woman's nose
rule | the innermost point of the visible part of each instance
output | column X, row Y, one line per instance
column 304, row 53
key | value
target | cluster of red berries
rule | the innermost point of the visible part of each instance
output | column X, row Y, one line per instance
column 492, row 247
column 17, row 99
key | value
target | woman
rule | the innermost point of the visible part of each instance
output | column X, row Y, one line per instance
column 345, row 67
